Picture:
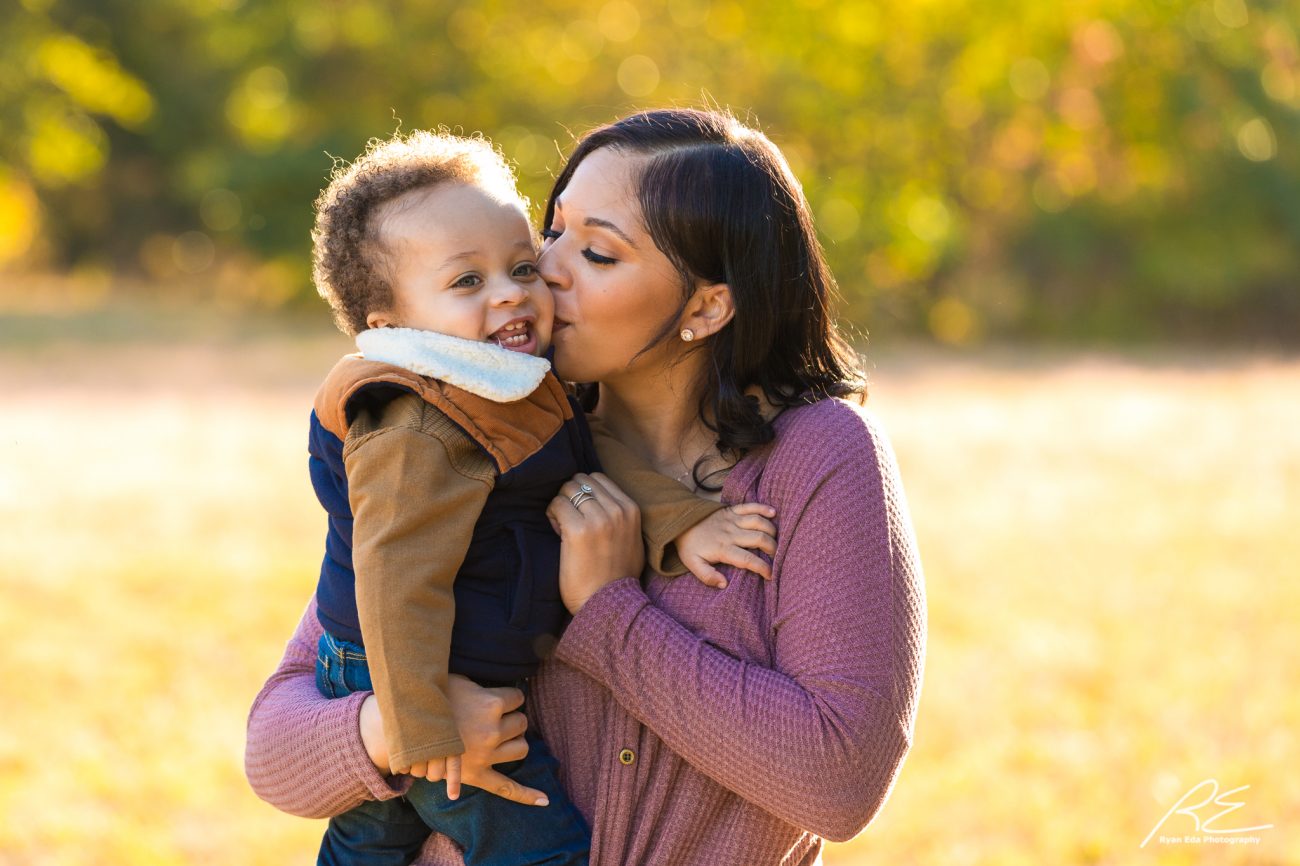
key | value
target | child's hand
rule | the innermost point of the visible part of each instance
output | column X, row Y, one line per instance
column 438, row 769
column 730, row 535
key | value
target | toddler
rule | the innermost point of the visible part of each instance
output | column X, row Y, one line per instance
column 436, row 451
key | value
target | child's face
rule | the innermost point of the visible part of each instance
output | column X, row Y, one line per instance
column 463, row 263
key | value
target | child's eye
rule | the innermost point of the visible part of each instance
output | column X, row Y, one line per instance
column 596, row 258
column 525, row 270
column 468, row 281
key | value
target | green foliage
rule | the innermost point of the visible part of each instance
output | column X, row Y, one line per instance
column 1117, row 168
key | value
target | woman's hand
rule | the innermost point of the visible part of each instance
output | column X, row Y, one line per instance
column 490, row 728
column 372, row 734
column 600, row 536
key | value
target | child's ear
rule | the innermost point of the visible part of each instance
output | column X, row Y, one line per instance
column 380, row 320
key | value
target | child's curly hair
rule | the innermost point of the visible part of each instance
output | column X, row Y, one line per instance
column 348, row 255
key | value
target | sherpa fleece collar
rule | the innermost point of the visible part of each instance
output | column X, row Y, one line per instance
column 481, row 368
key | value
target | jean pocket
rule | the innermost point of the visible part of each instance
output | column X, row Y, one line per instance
column 323, row 682
column 353, row 674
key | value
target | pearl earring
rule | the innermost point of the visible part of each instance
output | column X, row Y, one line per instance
column 688, row 334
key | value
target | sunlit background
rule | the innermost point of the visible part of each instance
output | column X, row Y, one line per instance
column 1068, row 241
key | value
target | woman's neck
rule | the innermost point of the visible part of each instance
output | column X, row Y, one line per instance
column 658, row 415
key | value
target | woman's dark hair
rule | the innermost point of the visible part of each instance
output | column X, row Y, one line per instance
column 720, row 201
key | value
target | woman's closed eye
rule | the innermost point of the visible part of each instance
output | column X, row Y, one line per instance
column 596, row 258
column 549, row 236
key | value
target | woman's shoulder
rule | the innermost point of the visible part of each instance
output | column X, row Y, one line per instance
column 825, row 438
column 833, row 448
column 830, row 426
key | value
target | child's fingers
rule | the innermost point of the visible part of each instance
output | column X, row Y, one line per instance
column 437, row 770
column 753, row 508
column 705, row 573
column 746, row 559
column 419, row 770
column 757, row 524
column 755, row 540
column 453, row 777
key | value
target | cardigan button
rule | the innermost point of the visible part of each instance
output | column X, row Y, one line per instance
column 626, row 757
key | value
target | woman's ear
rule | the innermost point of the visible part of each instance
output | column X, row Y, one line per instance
column 709, row 310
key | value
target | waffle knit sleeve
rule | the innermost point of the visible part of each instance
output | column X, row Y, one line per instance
column 303, row 752
column 817, row 737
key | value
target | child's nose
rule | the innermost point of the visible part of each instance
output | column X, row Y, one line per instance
column 509, row 292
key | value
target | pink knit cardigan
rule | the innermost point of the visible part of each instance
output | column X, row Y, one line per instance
column 734, row 727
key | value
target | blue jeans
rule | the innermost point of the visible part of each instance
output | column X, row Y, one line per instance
column 491, row 830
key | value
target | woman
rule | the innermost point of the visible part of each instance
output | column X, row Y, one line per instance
column 694, row 725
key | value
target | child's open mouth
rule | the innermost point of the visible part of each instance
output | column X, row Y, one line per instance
column 517, row 335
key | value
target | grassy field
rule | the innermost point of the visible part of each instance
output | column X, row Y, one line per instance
column 1110, row 547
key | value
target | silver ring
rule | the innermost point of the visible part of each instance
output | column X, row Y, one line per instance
column 580, row 497
column 586, row 488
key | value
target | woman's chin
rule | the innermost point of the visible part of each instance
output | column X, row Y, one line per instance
column 562, row 363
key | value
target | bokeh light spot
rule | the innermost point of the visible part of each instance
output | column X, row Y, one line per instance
column 1231, row 13
column 638, row 75
column 1279, row 83
column 952, row 321
column 929, row 219
column 838, row 219
column 220, row 210
column 1029, row 78
column 193, row 252
column 1048, row 194
column 618, row 20
column 1256, row 140
column 20, row 218
column 1100, row 42
column 64, row 146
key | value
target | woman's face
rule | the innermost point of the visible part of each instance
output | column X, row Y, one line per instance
column 614, row 289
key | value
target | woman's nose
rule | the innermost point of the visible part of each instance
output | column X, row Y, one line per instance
column 548, row 265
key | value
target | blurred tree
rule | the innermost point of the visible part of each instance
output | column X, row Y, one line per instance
column 1114, row 168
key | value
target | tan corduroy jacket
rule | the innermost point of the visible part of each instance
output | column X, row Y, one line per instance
column 410, row 538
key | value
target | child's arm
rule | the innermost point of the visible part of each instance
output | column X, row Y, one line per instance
column 672, row 515
column 415, row 499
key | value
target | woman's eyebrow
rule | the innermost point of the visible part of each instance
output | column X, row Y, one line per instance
column 606, row 224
